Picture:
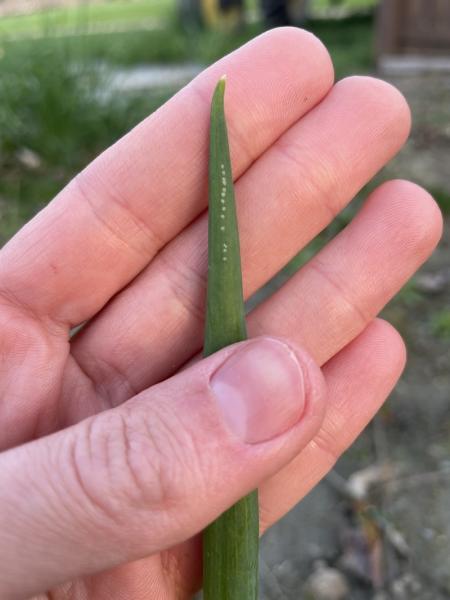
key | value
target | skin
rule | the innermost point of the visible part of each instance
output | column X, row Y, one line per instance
column 124, row 246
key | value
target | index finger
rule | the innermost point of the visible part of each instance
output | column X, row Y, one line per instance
column 109, row 222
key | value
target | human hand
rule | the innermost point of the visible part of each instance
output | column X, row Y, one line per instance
column 140, row 458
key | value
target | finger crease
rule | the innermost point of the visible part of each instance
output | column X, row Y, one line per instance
column 319, row 268
column 51, row 324
column 290, row 154
column 113, row 385
column 187, row 284
column 153, row 241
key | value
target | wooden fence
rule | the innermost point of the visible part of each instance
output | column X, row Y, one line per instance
column 414, row 26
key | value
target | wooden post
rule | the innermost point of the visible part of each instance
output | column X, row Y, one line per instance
column 389, row 22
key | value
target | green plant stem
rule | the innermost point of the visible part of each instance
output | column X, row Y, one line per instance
column 230, row 544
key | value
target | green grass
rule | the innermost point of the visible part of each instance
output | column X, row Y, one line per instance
column 54, row 107
column 119, row 48
column 350, row 43
column 442, row 197
column 120, row 13
column 440, row 324
column 352, row 4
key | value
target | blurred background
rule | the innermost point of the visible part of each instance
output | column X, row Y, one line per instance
column 75, row 76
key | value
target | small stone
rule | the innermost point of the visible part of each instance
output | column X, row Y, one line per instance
column 327, row 584
column 433, row 283
column 406, row 587
column 380, row 596
column 29, row 159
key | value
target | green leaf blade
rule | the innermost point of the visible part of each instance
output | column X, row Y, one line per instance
column 230, row 544
column 225, row 315
column 230, row 553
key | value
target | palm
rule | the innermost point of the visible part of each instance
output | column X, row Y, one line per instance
column 124, row 247
column 174, row 573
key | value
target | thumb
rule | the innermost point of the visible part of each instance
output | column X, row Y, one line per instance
column 155, row 471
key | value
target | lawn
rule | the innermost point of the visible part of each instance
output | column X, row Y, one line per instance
column 351, row 4
column 349, row 41
column 119, row 13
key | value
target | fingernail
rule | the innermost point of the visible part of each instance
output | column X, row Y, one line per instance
column 260, row 390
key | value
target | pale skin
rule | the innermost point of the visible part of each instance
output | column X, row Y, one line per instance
column 110, row 506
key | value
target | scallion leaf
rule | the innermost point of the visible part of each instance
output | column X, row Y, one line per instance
column 230, row 544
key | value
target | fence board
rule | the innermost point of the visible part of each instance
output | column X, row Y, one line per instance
column 408, row 26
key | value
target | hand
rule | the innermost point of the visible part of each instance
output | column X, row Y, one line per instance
column 134, row 459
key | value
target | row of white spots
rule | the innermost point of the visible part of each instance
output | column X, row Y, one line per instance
column 223, row 209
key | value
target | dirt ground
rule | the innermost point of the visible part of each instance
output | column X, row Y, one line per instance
column 378, row 528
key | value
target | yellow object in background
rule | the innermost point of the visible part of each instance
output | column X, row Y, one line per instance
column 219, row 14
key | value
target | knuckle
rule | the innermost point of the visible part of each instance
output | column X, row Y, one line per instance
column 138, row 235
column 130, row 460
column 186, row 283
column 341, row 291
column 319, row 183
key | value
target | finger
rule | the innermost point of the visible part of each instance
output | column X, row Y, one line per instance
column 113, row 218
column 150, row 474
column 285, row 199
column 359, row 379
column 334, row 296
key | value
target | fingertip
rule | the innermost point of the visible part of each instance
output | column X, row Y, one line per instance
column 300, row 44
column 378, row 352
column 420, row 214
column 387, row 343
column 382, row 99
column 304, row 69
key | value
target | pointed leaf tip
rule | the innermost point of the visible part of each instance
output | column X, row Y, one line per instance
column 220, row 87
